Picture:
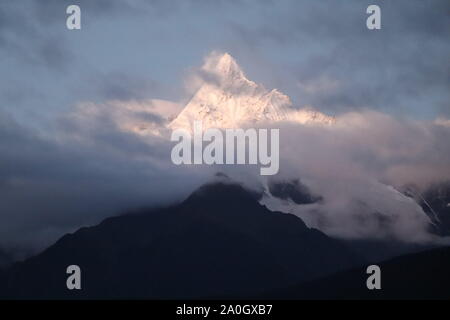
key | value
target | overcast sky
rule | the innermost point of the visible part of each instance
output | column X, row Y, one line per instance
column 320, row 53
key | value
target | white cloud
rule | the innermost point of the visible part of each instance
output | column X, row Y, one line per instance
column 353, row 163
column 442, row 122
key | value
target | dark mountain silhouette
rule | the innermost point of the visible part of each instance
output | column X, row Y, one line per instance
column 220, row 242
column 424, row 275
column 5, row 259
column 294, row 190
column 377, row 250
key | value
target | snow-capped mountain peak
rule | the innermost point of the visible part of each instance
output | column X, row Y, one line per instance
column 224, row 66
column 227, row 99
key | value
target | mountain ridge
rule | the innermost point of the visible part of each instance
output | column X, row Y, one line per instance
column 227, row 99
column 219, row 242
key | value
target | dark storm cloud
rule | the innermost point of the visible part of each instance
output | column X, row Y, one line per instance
column 50, row 187
column 33, row 30
column 29, row 40
column 50, row 10
column 120, row 86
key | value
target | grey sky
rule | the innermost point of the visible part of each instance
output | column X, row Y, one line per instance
column 143, row 49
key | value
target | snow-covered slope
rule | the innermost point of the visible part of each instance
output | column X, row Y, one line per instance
column 377, row 211
column 227, row 99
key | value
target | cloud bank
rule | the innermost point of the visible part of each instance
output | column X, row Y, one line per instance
column 358, row 165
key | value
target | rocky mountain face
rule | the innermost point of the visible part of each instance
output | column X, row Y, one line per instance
column 435, row 202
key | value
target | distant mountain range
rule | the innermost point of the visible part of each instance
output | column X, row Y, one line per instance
column 220, row 242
